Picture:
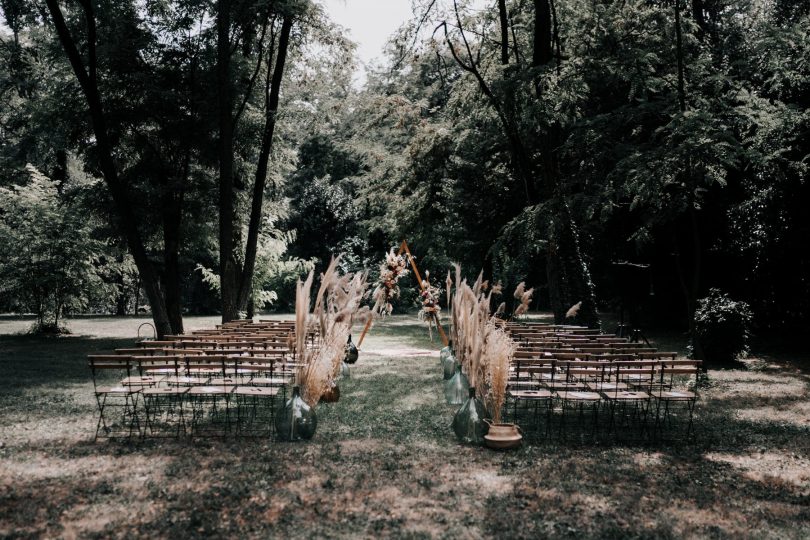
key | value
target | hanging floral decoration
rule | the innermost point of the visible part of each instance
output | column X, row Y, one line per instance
column 430, row 310
column 391, row 270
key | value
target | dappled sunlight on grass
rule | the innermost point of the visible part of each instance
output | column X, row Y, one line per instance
column 384, row 462
column 769, row 467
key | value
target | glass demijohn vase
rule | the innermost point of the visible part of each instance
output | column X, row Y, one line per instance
column 468, row 423
column 352, row 354
column 296, row 421
column 445, row 352
column 457, row 388
column 449, row 367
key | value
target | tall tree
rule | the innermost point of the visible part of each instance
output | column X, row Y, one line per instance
column 88, row 80
column 228, row 265
column 236, row 266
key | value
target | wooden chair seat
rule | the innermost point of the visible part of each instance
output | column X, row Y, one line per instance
column 179, row 380
column 559, row 385
column 675, row 395
column 523, row 383
column 204, row 371
column 578, row 396
column 607, row 386
column 626, row 396
column 210, row 390
column 270, row 381
column 117, row 390
column 144, row 380
column 262, row 391
column 530, row 394
column 222, row 381
column 165, row 391
column 159, row 371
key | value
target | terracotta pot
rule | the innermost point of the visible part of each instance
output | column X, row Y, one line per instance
column 503, row 436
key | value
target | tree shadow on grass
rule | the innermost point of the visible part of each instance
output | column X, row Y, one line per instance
column 715, row 487
column 384, row 462
column 32, row 360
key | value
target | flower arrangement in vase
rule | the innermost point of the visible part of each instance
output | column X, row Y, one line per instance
column 485, row 351
column 329, row 323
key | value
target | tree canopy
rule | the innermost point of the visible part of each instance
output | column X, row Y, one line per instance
column 223, row 143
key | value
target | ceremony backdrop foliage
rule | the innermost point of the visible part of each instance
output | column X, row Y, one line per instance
column 545, row 141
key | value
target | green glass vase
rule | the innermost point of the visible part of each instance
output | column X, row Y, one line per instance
column 352, row 354
column 296, row 421
column 457, row 388
column 449, row 367
column 445, row 352
column 468, row 423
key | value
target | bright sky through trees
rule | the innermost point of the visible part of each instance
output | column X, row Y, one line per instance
column 370, row 24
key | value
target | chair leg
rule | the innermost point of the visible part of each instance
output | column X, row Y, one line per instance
column 690, row 405
column 133, row 412
column 101, row 401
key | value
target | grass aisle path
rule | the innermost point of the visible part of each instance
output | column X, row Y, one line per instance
column 384, row 462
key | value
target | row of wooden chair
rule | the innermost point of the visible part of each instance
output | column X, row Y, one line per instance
column 640, row 391
column 195, row 395
column 219, row 381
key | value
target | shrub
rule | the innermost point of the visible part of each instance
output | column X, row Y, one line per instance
column 723, row 327
column 49, row 256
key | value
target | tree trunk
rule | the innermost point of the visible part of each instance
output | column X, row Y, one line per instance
column 228, row 265
column 569, row 278
column 172, row 217
column 88, row 82
column 542, row 33
column 271, row 109
column 123, row 298
column 504, row 20
column 692, row 290
column 679, row 55
column 568, row 271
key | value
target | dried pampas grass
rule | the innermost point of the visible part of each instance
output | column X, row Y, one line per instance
column 337, row 304
column 525, row 297
column 499, row 351
column 449, row 284
column 519, row 290
column 483, row 348
column 302, row 292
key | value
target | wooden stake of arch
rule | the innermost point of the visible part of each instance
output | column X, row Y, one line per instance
column 404, row 247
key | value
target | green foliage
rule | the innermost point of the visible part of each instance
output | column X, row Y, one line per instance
column 706, row 183
column 49, row 256
column 723, row 327
column 276, row 272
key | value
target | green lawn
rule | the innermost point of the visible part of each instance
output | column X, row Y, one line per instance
column 384, row 461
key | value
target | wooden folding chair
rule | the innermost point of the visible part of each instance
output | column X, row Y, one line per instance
column 164, row 405
column 210, row 403
column 255, row 405
column 630, row 396
column 525, row 386
column 572, row 392
column 115, row 396
column 669, row 393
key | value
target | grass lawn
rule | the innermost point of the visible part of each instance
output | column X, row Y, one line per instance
column 384, row 462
